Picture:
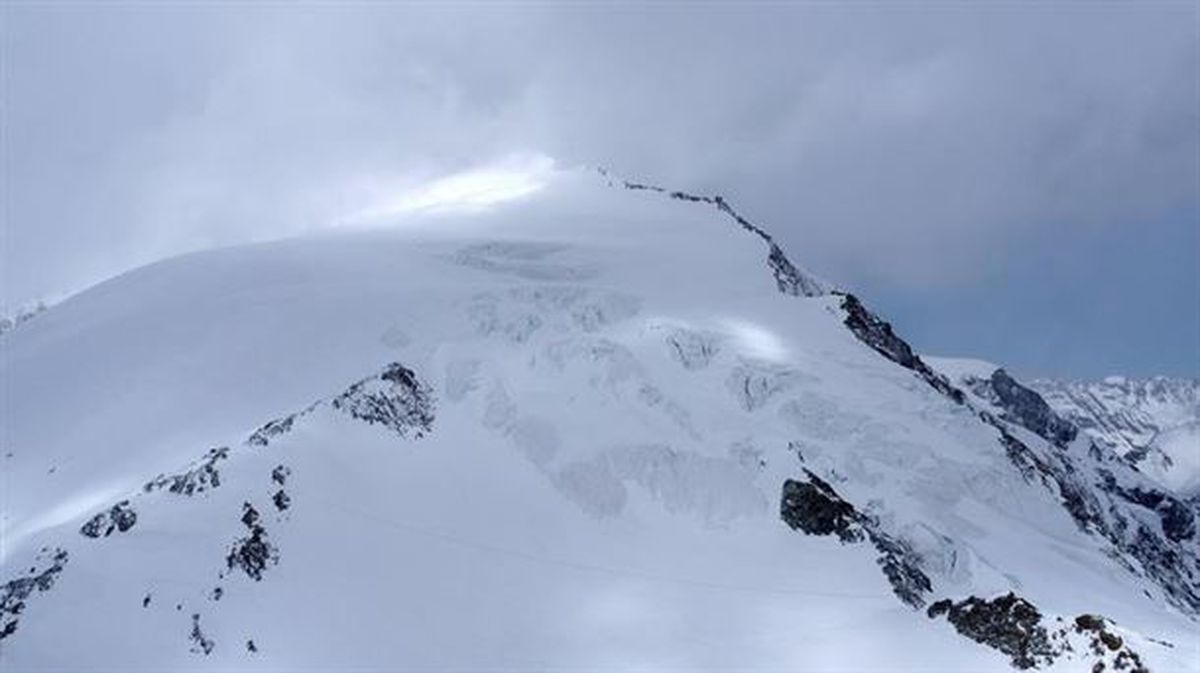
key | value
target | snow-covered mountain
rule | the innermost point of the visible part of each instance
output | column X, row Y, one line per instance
column 602, row 427
column 1154, row 422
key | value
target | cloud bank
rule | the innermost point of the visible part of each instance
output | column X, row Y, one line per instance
column 907, row 149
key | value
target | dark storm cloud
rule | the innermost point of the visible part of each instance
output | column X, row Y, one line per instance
column 913, row 152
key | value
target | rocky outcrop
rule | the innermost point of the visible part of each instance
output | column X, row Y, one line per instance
column 15, row 593
column 396, row 399
column 1026, row 408
column 273, row 429
column 879, row 335
column 1105, row 643
column 253, row 553
column 1015, row 627
column 1008, row 623
column 120, row 517
column 813, row 507
column 202, row 476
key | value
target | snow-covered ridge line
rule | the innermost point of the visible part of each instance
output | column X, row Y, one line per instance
column 789, row 278
column 394, row 398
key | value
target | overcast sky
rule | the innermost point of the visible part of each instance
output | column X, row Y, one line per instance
column 1013, row 181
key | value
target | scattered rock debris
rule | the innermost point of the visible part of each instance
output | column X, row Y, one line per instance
column 15, row 593
column 201, row 644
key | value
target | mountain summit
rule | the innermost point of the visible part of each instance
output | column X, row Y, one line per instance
column 606, row 426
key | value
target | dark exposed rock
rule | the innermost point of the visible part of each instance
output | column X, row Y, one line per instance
column 1032, row 467
column 1105, row 642
column 878, row 334
column 1026, row 408
column 264, row 435
column 201, row 644
column 899, row 564
column 395, row 399
column 201, row 477
column 254, row 552
column 120, row 517
column 146, row 601
column 282, row 500
column 1178, row 520
column 15, row 593
column 815, row 508
column 251, row 647
column 280, row 474
column 788, row 278
column 249, row 515
column 1015, row 627
column 1008, row 623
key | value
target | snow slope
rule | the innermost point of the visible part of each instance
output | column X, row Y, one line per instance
column 599, row 428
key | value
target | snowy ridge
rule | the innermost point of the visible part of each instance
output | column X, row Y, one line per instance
column 789, row 278
column 606, row 440
column 394, row 398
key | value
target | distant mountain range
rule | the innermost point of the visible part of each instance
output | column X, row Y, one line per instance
column 1155, row 422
